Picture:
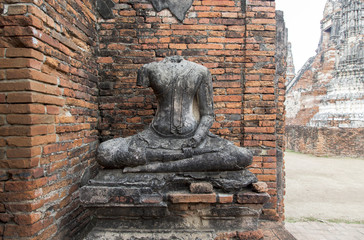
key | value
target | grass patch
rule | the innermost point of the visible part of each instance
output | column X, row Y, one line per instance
column 290, row 150
column 313, row 219
column 325, row 156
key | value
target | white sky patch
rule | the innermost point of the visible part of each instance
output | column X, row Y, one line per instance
column 303, row 22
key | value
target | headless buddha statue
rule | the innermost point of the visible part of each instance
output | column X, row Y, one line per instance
column 178, row 139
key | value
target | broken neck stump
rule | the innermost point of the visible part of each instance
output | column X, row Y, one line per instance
column 174, row 180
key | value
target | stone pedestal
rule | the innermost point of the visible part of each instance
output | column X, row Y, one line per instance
column 162, row 206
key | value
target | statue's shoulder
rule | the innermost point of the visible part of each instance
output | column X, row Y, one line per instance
column 150, row 66
column 200, row 69
column 144, row 73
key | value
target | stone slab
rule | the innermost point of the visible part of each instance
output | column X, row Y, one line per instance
column 252, row 197
column 192, row 198
column 221, row 217
column 228, row 181
column 225, row 198
column 138, row 234
column 201, row 187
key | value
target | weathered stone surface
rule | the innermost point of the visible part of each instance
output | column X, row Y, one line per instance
column 226, row 181
column 132, row 212
column 178, row 8
column 291, row 72
column 249, row 235
column 250, row 197
column 112, row 195
column 203, row 221
column 164, row 182
column 201, row 187
column 280, row 79
column 252, row 235
column 104, row 7
column 138, row 234
column 275, row 230
column 233, row 210
column 260, row 187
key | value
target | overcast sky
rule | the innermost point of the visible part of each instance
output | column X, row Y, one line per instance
column 302, row 19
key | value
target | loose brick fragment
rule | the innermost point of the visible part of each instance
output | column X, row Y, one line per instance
column 192, row 198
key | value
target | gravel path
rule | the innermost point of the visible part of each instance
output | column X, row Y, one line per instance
column 324, row 197
column 324, row 188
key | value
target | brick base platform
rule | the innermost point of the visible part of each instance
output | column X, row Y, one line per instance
column 140, row 212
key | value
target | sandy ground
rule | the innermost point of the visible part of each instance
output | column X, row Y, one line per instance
column 324, row 188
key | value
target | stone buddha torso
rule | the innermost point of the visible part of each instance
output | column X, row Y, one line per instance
column 178, row 139
column 177, row 84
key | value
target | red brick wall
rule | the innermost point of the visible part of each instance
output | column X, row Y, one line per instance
column 212, row 35
column 263, row 101
column 48, row 115
column 346, row 142
column 54, row 64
